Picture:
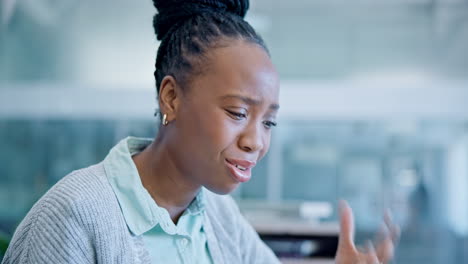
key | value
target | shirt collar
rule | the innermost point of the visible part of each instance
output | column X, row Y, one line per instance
column 140, row 211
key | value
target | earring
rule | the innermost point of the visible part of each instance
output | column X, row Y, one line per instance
column 164, row 120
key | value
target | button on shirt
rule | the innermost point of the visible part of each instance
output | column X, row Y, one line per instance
column 165, row 241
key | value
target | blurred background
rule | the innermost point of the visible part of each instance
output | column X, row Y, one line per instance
column 374, row 110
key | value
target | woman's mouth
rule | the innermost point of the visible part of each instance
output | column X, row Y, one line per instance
column 240, row 170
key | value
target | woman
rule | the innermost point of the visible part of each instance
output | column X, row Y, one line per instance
column 162, row 200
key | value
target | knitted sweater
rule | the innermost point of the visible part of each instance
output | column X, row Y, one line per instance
column 79, row 220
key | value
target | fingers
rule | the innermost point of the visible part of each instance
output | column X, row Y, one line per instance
column 385, row 250
column 388, row 237
column 371, row 254
column 346, row 239
column 392, row 227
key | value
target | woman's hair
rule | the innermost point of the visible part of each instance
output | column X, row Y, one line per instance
column 187, row 29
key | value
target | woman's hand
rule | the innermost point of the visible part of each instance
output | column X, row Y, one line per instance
column 347, row 252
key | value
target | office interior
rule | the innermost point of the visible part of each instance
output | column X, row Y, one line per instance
column 374, row 110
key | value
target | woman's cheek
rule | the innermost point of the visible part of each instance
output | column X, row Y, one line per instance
column 266, row 145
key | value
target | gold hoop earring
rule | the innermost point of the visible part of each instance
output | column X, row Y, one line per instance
column 164, row 120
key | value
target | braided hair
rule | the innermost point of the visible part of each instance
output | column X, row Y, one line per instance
column 188, row 28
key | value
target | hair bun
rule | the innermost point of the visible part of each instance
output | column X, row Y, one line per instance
column 171, row 12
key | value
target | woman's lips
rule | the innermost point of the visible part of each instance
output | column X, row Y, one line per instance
column 240, row 170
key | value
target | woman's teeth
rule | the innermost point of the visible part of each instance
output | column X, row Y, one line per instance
column 240, row 167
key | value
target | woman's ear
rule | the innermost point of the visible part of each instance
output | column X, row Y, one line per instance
column 169, row 97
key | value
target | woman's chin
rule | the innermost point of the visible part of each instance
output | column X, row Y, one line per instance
column 223, row 190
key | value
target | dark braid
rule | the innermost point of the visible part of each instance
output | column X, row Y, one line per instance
column 187, row 29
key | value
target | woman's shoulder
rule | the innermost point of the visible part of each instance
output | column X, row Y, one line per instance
column 83, row 195
column 77, row 210
column 87, row 187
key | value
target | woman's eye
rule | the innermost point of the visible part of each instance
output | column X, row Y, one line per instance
column 269, row 124
column 236, row 115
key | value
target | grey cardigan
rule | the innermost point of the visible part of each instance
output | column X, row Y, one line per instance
column 79, row 220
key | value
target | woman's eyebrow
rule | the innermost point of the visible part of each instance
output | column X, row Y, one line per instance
column 248, row 100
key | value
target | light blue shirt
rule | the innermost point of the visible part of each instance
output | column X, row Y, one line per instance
column 166, row 242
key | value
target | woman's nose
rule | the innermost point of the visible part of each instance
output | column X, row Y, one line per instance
column 252, row 139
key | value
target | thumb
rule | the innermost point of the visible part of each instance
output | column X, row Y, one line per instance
column 346, row 239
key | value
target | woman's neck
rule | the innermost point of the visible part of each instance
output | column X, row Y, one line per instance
column 163, row 180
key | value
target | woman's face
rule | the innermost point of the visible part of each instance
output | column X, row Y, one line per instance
column 223, row 122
